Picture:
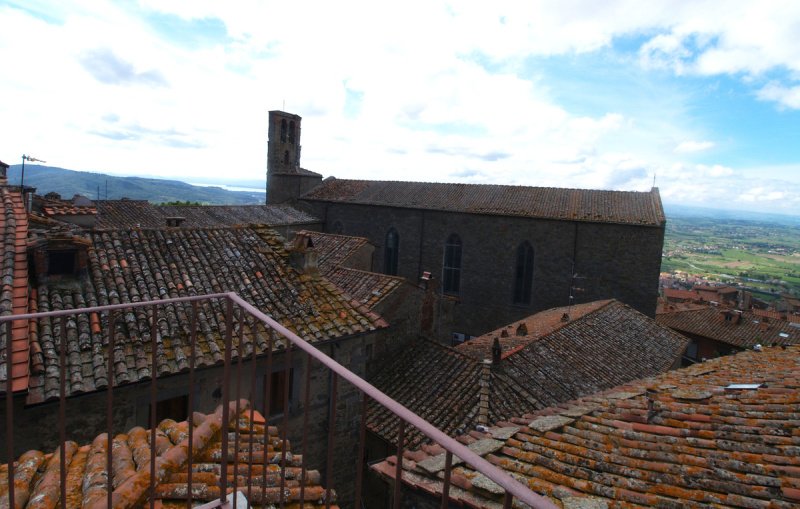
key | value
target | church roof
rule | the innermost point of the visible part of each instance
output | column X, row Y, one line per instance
column 625, row 207
column 686, row 438
column 130, row 213
column 36, row 475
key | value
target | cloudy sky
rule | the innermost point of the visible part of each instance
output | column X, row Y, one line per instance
column 703, row 96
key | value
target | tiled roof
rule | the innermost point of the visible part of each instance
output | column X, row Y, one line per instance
column 333, row 249
column 609, row 345
column 68, row 210
column 743, row 329
column 14, row 287
column 149, row 264
column 443, row 386
column 131, row 213
column 368, row 288
column 518, row 334
column 36, row 477
column 541, row 202
column 677, row 440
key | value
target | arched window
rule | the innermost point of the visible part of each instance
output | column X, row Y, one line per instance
column 390, row 252
column 291, row 132
column 283, row 130
column 451, row 271
column 523, row 275
column 285, row 157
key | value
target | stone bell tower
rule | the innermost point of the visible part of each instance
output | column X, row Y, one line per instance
column 286, row 180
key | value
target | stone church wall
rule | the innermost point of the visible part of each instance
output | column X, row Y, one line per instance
column 611, row 261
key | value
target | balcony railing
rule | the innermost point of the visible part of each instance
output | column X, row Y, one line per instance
column 242, row 323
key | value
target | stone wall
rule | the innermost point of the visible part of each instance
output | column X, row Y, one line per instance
column 611, row 261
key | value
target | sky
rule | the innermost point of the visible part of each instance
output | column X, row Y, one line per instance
column 700, row 97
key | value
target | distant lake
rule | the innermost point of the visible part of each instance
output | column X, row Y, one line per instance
column 230, row 188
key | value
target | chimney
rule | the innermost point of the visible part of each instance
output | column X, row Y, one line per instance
column 302, row 255
column 497, row 352
column 483, row 401
column 3, row 173
column 175, row 221
column 522, row 329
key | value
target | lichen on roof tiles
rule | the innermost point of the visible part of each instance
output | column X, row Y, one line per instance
column 655, row 448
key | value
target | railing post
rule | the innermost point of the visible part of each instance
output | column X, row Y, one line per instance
column 226, row 370
column 112, row 321
column 190, row 410
column 10, row 414
column 398, row 475
column 306, row 399
column 331, row 439
column 153, row 404
column 62, row 409
column 362, row 438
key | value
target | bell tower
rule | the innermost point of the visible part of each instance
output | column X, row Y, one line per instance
column 283, row 144
column 286, row 180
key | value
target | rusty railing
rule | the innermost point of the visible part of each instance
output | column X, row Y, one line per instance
column 232, row 306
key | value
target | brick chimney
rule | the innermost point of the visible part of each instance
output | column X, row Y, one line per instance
column 303, row 256
column 497, row 352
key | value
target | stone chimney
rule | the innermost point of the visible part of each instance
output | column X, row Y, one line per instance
column 497, row 351
column 522, row 329
column 303, row 256
column 485, row 385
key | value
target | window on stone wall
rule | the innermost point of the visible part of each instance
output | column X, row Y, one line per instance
column 61, row 262
column 172, row 408
column 291, row 133
column 451, row 272
column 523, row 274
column 277, row 390
column 285, row 157
column 283, row 131
column 390, row 252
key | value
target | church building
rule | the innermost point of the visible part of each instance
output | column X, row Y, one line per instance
column 499, row 252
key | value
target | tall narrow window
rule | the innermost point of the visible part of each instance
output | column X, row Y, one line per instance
column 285, row 157
column 283, row 131
column 291, row 132
column 451, row 272
column 390, row 252
column 523, row 275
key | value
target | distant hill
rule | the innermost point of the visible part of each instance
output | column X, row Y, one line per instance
column 99, row 185
column 673, row 210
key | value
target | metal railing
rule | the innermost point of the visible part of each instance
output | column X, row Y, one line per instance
column 243, row 316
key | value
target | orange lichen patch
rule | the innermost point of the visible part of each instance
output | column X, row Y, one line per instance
column 663, row 448
column 259, row 476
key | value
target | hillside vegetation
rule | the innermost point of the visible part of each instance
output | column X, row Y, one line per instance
column 101, row 186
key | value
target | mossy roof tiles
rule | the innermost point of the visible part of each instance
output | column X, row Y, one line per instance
column 609, row 344
column 626, row 207
column 37, row 479
column 134, row 265
column 680, row 439
column 133, row 213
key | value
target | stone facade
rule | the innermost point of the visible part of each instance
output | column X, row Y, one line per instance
column 611, row 260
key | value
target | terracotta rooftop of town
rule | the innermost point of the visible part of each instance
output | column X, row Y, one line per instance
column 133, row 265
column 336, row 257
column 132, row 213
column 608, row 344
column 742, row 329
column 13, row 287
column 36, row 477
column 627, row 207
column 686, row 438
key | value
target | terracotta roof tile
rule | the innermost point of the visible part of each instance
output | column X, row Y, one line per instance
column 36, row 476
column 551, row 203
column 131, row 213
column 742, row 329
column 14, row 288
column 150, row 264
column 680, row 439
column 68, row 210
column 609, row 344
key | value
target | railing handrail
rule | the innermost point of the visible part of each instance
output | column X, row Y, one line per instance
column 494, row 473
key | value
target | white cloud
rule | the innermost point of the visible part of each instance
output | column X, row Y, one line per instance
column 788, row 97
column 690, row 147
